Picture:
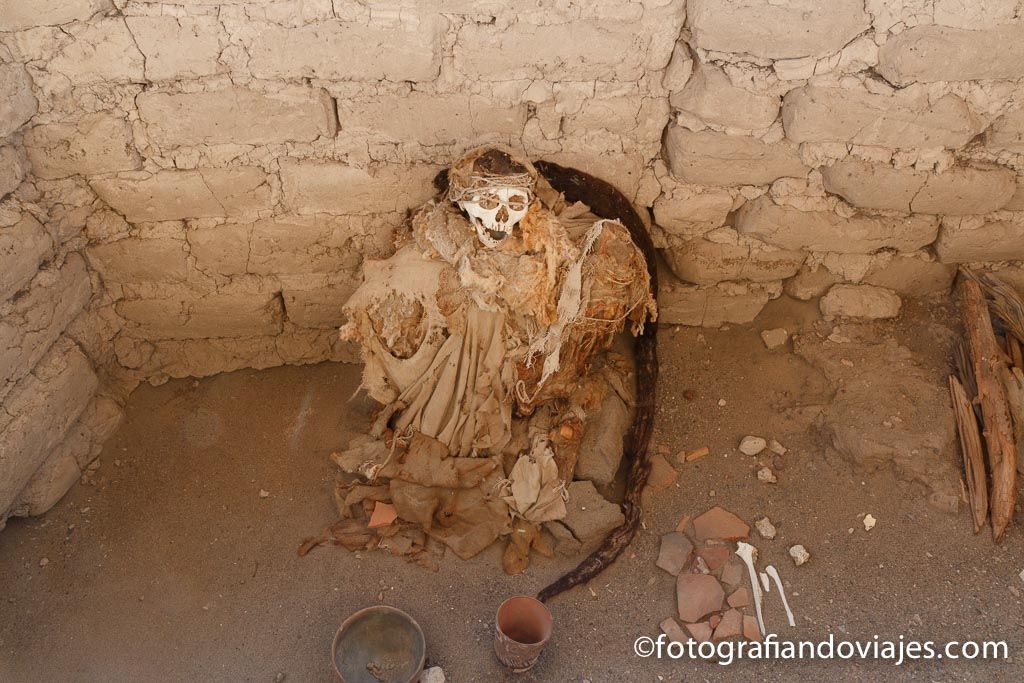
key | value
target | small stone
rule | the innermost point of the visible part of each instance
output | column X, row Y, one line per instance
column 588, row 515
column 671, row 628
column 675, row 552
column 773, row 339
column 94, row 465
column 600, row 451
column 700, row 566
column 1021, row 575
column 698, row 595
column 264, row 493
column 751, row 631
column 752, row 445
column 860, row 301
column 777, row 448
column 721, row 402
column 719, row 523
column 730, row 626
column 1016, row 591
column 434, row 674
column 566, row 545
column 739, row 598
column 869, row 522
column 765, row 527
column 799, row 554
column 700, row 631
column 766, row 475
column 43, row 562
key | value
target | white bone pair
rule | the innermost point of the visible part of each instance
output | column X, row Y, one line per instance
column 748, row 554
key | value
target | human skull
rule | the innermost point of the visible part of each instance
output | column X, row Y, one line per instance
column 495, row 211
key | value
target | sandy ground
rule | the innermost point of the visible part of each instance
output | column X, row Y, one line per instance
column 173, row 567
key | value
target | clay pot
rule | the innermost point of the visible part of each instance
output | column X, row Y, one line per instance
column 381, row 640
column 522, row 628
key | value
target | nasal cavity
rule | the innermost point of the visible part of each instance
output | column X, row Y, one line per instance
column 502, row 214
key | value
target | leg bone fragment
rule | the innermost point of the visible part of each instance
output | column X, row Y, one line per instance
column 746, row 552
column 772, row 572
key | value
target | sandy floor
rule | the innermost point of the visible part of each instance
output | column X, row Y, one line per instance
column 174, row 568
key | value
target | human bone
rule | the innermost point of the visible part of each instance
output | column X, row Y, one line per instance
column 747, row 553
column 774, row 573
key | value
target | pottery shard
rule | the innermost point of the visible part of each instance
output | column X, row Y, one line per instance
column 675, row 552
column 739, row 598
column 698, row 595
column 733, row 573
column 714, row 556
column 671, row 628
column 751, row 631
column 701, row 631
column 731, row 626
column 719, row 523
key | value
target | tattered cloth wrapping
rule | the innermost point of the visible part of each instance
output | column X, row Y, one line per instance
column 454, row 500
column 453, row 387
column 534, row 490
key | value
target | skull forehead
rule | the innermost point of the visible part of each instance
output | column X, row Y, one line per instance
column 500, row 193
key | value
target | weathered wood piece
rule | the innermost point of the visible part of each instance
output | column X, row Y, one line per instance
column 987, row 360
column 974, row 455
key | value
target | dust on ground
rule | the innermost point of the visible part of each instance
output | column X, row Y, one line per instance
column 174, row 567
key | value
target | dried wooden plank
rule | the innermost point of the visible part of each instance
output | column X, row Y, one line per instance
column 974, row 455
column 1004, row 301
column 965, row 373
column 986, row 359
column 1013, row 382
column 1015, row 351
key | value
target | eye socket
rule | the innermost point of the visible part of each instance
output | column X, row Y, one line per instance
column 517, row 202
column 486, row 202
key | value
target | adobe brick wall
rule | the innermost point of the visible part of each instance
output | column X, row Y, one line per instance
column 191, row 186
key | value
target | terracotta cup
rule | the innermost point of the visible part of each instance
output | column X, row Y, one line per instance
column 522, row 628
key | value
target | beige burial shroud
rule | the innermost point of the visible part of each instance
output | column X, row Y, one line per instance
column 487, row 361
